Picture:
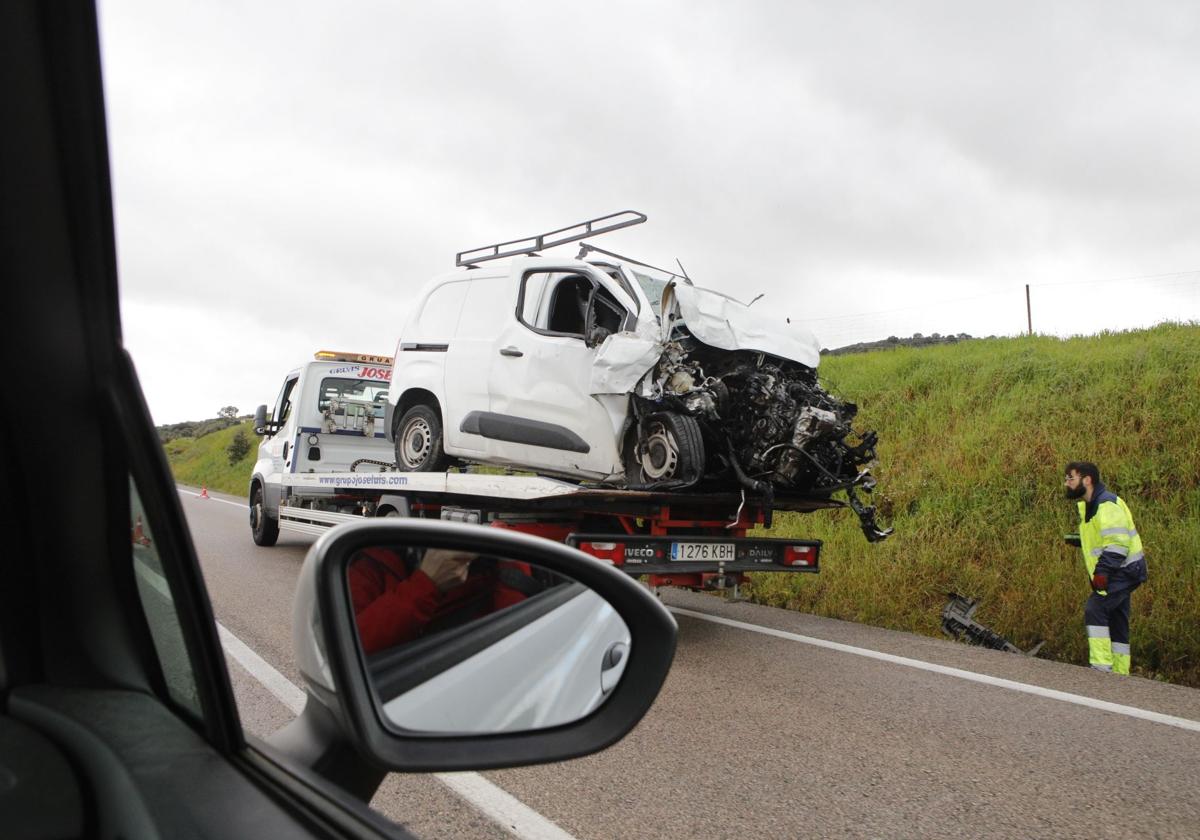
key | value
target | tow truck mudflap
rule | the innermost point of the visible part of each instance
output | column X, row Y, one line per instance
column 684, row 554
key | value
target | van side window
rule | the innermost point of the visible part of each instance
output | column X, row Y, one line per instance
column 555, row 301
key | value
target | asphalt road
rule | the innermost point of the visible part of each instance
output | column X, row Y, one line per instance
column 766, row 730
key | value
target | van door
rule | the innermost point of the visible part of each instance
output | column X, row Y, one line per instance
column 281, row 446
column 490, row 306
column 542, row 413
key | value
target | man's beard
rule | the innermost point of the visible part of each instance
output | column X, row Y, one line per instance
column 1076, row 492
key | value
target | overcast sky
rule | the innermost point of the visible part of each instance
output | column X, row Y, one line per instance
column 286, row 175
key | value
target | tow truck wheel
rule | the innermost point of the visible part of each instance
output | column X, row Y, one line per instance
column 263, row 528
column 419, row 441
column 671, row 449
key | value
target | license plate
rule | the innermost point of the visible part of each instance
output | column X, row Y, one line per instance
column 703, row 551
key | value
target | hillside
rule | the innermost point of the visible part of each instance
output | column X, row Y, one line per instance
column 974, row 437
column 204, row 460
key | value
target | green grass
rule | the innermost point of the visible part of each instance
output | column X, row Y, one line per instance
column 973, row 439
column 204, row 461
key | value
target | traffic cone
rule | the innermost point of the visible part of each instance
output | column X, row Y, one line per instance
column 139, row 534
column 203, row 492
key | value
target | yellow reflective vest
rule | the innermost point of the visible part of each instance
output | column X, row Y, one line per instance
column 1109, row 539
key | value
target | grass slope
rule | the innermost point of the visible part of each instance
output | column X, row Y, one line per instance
column 973, row 442
column 974, row 437
column 204, row 461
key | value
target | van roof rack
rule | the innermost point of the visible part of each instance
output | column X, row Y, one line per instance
column 533, row 244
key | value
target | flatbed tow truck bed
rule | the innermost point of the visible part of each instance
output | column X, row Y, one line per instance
column 695, row 540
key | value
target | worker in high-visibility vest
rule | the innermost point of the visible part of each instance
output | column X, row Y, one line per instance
column 1116, row 565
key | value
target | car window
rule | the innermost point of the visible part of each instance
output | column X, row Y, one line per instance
column 159, row 608
column 653, row 288
column 607, row 312
column 283, row 405
column 555, row 302
column 345, row 391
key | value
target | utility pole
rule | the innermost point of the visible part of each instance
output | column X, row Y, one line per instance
column 1028, row 309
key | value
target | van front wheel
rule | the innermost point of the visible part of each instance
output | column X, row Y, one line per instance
column 419, row 441
column 263, row 528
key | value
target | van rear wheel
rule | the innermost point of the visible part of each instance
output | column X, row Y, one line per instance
column 419, row 441
column 263, row 528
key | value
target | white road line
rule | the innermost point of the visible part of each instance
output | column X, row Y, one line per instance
column 500, row 806
column 214, row 499
column 287, row 692
column 1011, row 685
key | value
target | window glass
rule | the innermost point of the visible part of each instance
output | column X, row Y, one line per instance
column 652, row 286
column 555, row 302
column 533, row 298
column 345, row 391
column 283, row 405
column 351, row 404
column 159, row 607
column 607, row 313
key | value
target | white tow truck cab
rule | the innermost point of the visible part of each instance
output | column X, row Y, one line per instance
column 328, row 418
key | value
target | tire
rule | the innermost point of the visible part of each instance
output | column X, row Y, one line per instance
column 670, row 452
column 263, row 528
column 419, row 441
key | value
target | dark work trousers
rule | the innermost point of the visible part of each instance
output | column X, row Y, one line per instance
column 1109, row 611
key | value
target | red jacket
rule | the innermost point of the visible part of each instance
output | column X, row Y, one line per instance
column 391, row 606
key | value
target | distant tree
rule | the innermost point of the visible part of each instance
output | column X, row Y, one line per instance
column 238, row 448
column 229, row 412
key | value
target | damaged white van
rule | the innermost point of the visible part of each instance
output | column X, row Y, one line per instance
column 601, row 368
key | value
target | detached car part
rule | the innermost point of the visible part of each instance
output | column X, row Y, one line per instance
column 958, row 621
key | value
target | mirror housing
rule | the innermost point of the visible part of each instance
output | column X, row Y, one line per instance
column 260, row 420
column 331, row 661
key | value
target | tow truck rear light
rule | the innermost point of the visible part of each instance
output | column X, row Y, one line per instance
column 610, row 552
column 364, row 358
column 799, row 555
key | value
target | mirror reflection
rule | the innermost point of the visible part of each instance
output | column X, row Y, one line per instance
column 459, row 642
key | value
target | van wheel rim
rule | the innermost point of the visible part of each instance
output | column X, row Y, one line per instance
column 660, row 457
column 418, row 441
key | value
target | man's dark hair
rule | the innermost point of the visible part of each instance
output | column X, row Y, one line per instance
column 1085, row 468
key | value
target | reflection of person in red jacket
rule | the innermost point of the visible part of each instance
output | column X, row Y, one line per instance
column 447, row 588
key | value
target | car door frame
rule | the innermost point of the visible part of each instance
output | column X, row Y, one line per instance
column 76, row 644
column 546, row 439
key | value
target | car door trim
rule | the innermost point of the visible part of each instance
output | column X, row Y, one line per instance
column 419, row 347
column 506, row 427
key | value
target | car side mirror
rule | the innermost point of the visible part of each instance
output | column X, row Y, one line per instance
column 260, row 420
column 435, row 646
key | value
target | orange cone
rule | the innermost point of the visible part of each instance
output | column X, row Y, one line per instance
column 139, row 534
column 203, row 492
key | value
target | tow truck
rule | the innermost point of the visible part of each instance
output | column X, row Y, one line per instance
column 324, row 460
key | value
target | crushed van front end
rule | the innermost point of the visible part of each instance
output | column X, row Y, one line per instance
column 714, row 417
